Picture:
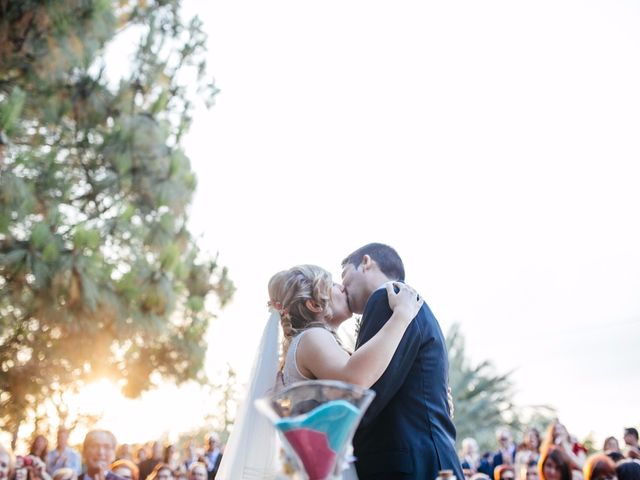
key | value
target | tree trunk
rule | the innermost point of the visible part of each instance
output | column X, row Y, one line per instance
column 14, row 436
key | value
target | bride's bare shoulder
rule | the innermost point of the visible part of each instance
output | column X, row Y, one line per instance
column 317, row 339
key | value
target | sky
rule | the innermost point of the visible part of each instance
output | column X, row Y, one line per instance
column 494, row 144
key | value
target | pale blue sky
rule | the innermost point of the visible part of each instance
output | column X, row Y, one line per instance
column 494, row 144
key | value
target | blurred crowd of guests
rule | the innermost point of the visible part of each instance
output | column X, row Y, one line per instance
column 555, row 456
column 103, row 458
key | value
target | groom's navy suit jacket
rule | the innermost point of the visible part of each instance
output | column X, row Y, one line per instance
column 407, row 433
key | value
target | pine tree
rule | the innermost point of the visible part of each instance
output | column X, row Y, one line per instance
column 99, row 276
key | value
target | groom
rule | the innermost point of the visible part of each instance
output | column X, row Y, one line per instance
column 406, row 433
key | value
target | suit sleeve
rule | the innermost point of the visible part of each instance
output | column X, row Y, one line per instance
column 376, row 314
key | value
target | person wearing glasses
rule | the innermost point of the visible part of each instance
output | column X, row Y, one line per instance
column 506, row 453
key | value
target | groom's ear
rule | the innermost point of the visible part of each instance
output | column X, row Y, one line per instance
column 366, row 263
column 312, row 306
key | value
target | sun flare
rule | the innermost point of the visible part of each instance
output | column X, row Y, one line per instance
column 161, row 413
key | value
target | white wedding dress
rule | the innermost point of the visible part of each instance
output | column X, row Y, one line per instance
column 251, row 452
column 253, row 449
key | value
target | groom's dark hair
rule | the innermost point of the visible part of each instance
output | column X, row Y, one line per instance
column 386, row 257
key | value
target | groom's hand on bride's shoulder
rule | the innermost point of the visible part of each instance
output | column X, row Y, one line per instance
column 403, row 298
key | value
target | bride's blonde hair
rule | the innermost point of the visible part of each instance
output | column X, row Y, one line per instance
column 289, row 291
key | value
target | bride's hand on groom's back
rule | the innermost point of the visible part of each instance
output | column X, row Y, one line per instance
column 405, row 300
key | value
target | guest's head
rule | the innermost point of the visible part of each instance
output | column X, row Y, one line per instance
column 157, row 450
column 554, row 464
column 611, row 445
column 480, row 476
column 198, row 471
column 190, row 449
column 99, row 451
column 556, row 434
column 628, row 469
column 161, row 471
column 39, row 447
column 529, row 471
column 599, row 467
column 531, row 440
column 6, row 463
column 212, row 441
column 631, row 437
column 503, row 436
column 126, row 469
column 615, row 456
column 141, row 454
column 169, row 453
column 62, row 438
column 124, row 452
column 504, row 472
column 470, row 448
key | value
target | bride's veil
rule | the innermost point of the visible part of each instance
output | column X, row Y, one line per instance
column 251, row 451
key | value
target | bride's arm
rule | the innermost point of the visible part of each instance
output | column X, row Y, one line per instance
column 320, row 354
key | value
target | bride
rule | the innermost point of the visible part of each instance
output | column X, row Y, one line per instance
column 307, row 307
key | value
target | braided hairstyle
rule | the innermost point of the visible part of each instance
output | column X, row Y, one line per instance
column 289, row 291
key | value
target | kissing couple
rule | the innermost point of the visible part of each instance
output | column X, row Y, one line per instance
column 407, row 432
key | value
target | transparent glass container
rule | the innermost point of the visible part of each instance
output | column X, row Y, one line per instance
column 315, row 421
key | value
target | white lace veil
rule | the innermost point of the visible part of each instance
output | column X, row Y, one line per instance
column 252, row 448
